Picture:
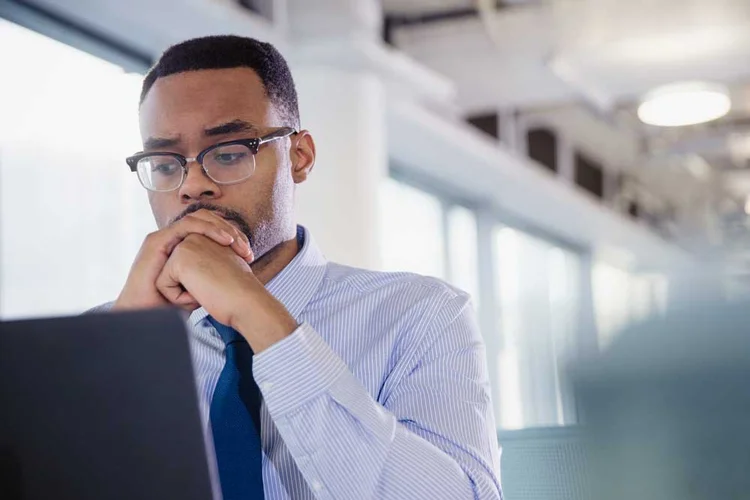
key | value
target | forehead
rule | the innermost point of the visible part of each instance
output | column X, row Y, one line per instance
column 194, row 100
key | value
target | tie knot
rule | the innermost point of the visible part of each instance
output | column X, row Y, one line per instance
column 227, row 334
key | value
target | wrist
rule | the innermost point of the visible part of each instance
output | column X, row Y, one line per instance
column 127, row 304
column 128, row 301
column 262, row 319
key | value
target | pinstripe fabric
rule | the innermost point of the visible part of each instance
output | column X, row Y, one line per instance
column 382, row 391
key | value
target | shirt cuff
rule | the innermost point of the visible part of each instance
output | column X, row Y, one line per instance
column 296, row 370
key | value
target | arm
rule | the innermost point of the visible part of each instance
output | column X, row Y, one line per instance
column 434, row 437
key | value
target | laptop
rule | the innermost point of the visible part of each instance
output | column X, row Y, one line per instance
column 101, row 406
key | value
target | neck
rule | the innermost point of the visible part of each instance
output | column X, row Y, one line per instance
column 272, row 262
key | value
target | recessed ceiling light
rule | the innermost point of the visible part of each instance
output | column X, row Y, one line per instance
column 681, row 104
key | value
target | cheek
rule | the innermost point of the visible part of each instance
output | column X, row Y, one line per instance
column 282, row 170
column 268, row 192
column 273, row 175
column 282, row 194
column 279, row 181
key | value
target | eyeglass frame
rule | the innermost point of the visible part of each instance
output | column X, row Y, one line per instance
column 253, row 144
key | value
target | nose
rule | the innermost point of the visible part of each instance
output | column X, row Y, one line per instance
column 197, row 185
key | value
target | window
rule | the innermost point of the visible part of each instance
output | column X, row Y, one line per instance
column 530, row 319
column 536, row 316
column 589, row 175
column 538, row 304
column 423, row 234
column 489, row 123
column 412, row 229
column 71, row 215
column 542, row 145
column 622, row 298
column 462, row 250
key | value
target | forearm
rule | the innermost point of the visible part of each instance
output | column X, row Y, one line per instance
column 349, row 446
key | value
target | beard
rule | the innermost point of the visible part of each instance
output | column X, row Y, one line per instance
column 226, row 213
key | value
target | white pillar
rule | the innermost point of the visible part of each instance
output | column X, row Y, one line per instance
column 342, row 70
column 345, row 112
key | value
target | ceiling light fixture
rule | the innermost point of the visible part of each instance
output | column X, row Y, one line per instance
column 681, row 104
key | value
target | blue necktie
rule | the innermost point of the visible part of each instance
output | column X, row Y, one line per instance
column 235, row 420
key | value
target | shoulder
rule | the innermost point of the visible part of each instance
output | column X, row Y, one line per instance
column 401, row 290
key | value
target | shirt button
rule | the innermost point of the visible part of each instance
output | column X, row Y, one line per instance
column 266, row 386
column 316, row 486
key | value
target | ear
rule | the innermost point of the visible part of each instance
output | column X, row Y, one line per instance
column 302, row 155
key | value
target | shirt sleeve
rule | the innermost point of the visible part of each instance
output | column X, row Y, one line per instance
column 102, row 308
column 433, row 436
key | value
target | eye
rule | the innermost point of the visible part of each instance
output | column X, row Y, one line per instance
column 164, row 167
column 229, row 158
column 229, row 155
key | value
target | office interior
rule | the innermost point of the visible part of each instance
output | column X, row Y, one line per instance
column 566, row 162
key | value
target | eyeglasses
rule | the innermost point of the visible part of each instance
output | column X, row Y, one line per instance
column 228, row 162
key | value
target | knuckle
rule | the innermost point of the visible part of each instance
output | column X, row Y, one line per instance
column 188, row 219
column 192, row 239
column 152, row 239
column 203, row 214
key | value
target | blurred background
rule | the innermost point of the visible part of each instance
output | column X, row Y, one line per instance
column 564, row 161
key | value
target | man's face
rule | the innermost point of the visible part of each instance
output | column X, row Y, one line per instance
column 187, row 112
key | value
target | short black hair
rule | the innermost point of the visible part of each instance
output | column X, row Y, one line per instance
column 229, row 51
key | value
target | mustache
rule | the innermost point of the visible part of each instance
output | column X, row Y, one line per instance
column 224, row 212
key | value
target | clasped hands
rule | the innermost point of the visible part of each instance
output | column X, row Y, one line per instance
column 204, row 260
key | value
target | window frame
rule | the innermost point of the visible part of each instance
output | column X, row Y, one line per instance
column 488, row 218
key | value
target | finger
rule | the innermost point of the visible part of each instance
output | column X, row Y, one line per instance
column 174, row 234
column 240, row 245
column 170, row 287
column 242, row 248
column 186, row 301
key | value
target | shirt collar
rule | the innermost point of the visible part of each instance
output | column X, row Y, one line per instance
column 296, row 284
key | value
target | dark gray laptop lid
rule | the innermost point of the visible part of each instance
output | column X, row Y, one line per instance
column 100, row 406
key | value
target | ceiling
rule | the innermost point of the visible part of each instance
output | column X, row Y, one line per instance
column 424, row 6
column 557, row 50
column 582, row 65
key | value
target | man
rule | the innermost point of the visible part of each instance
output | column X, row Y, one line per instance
column 369, row 385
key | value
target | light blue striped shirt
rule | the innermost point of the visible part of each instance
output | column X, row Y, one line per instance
column 381, row 392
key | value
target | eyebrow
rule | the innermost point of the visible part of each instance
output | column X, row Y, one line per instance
column 160, row 143
column 232, row 127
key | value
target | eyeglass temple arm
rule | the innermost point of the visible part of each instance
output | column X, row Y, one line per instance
column 277, row 134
